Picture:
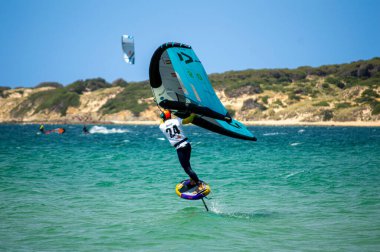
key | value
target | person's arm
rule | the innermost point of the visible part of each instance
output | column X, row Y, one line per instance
column 189, row 119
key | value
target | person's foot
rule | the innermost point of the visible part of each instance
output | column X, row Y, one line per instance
column 190, row 185
column 200, row 187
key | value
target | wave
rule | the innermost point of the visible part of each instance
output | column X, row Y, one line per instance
column 294, row 173
column 274, row 134
column 294, row 144
column 104, row 130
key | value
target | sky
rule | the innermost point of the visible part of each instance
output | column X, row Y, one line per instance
column 68, row 40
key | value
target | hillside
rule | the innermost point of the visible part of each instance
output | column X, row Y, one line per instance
column 331, row 93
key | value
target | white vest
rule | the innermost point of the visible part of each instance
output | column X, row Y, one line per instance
column 173, row 131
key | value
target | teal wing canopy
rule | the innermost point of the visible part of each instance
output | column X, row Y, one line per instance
column 180, row 83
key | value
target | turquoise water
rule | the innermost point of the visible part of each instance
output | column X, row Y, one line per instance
column 296, row 189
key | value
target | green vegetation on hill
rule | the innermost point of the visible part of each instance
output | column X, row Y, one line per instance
column 57, row 100
column 129, row 99
column 60, row 98
column 88, row 85
column 363, row 73
column 332, row 92
column 50, row 84
column 335, row 82
column 119, row 83
column 2, row 93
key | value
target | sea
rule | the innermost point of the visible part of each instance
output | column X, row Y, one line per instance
column 301, row 188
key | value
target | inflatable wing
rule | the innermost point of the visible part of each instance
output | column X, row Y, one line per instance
column 180, row 83
column 128, row 45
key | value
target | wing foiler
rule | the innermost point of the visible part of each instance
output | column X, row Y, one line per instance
column 180, row 83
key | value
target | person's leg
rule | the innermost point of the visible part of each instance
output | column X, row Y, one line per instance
column 184, row 158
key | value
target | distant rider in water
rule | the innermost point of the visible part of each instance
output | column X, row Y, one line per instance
column 42, row 128
column 172, row 129
column 85, row 130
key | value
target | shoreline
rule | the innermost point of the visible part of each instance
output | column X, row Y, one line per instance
column 247, row 123
column 323, row 123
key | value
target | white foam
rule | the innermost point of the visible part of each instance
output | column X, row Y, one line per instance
column 104, row 130
column 295, row 144
column 273, row 134
column 195, row 144
column 294, row 173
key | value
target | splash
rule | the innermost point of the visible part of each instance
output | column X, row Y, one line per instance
column 221, row 211
column 104, row 130
column 215, row 207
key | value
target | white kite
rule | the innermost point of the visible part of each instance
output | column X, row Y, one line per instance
column 128, row 44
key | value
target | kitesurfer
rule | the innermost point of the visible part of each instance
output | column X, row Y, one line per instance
column 85, row 130
column 42, row 128
column 173, row 131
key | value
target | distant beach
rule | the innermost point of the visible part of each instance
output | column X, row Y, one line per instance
column 274, row 123
column 248, row 123
column 325, row 123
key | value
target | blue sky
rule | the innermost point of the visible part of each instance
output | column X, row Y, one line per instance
column 68, row 40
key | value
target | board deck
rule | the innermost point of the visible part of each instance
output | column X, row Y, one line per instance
column 186, row 191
